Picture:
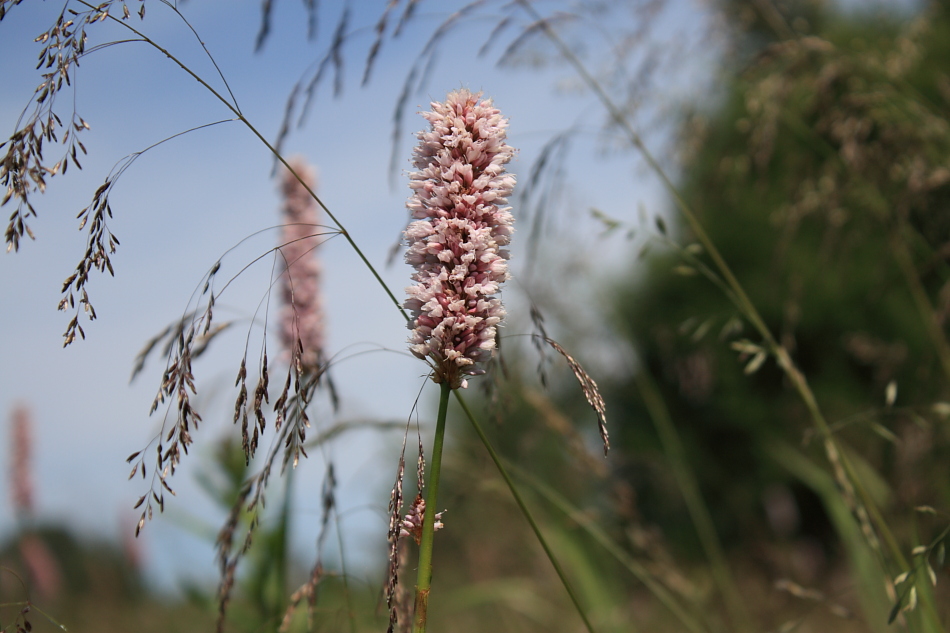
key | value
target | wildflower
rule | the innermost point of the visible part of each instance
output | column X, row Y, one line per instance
column 44, row 569
column 455, row 243
column 302, row 314
column 22, row 451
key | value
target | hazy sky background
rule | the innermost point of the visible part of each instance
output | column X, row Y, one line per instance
column 186, row 202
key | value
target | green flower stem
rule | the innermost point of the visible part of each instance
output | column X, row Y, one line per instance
column 424, row 581
column 524, row 510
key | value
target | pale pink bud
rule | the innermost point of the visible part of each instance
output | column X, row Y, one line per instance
column 455, row 243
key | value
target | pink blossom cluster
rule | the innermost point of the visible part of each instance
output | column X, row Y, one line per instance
column 302, row 312
column 460, row 193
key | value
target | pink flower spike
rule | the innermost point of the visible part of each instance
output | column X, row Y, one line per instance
column 460, row 193
column 302, row 312
column 21, row 458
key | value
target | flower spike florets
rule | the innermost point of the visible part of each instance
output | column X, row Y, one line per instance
column 302, row 314
column 461, row 222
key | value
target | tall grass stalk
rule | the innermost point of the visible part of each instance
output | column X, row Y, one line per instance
column 496, row 459
column 638, row 571
column 695, row 505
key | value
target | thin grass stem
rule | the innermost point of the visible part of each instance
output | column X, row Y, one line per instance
column 597, row 533
column 524, row 510
column 919, row 294
column 695, row 505
column 424, row 582
column 347, row 596
column 240, row 116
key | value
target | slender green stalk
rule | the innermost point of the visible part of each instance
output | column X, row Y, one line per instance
column 524, row 510
column 281, row 549
column 424, row 581
column 921, row 301
column 695, row 505
column 348, row 598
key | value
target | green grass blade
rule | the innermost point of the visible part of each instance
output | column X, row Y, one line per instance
column 635, row 568
column 524, row 510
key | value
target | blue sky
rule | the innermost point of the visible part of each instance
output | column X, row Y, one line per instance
column 185, row 203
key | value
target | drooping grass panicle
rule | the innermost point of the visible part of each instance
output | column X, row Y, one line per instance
column 23, row 168
column 189, row 337
column 302, row 332
column 591, row 392
column 309, row 589
column 393, row 536
column 461, row 224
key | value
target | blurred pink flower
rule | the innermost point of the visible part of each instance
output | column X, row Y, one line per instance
column 302, row 313
column 45, row 572
column 461, row 222
column 22, row 450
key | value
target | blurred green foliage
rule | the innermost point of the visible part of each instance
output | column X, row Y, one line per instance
column 826, row 161
column 84, row 585
column 821, row 172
